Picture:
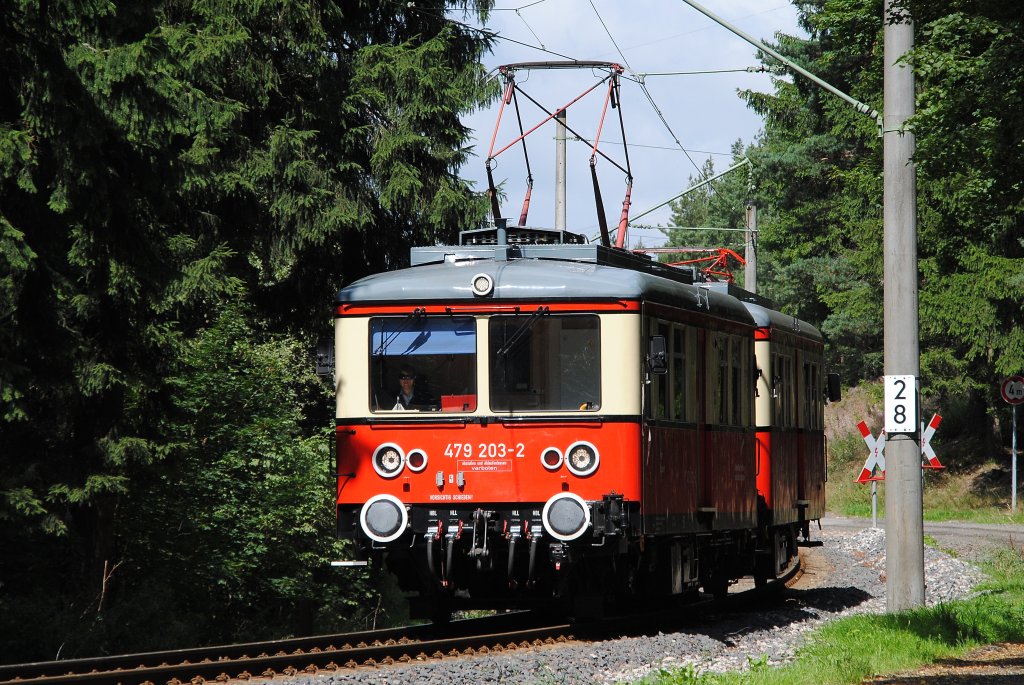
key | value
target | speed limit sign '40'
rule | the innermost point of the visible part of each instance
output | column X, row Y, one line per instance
column 901, row 405
column 1012, row 390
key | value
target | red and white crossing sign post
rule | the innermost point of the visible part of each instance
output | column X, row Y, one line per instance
column 875, row 461
column 874, row 466
column 930, row 460
column 1012, row 390
column 876, row 456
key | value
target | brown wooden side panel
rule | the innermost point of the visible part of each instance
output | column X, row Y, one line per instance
column 814, row 474
column 730, row 461
column 671, row 480
column 785, row 477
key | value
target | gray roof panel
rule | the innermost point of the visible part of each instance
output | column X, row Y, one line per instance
column 535, row 280
column 769, row 318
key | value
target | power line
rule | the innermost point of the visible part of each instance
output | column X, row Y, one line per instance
column 494, row 35
column 638, row 78
column 527, row 24
column 643, row 86
column 516, row 9
column 610, row 36
column 612, row 141
column 775, row 69
column 689, row 228
column 676, row 36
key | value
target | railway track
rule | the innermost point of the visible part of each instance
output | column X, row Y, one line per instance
column 330, row 653
column 295, row 656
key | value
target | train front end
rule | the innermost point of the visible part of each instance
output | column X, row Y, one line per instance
column 488, row 425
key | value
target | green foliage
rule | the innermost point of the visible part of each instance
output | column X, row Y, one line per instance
column 246, row 492
column 818, row 168
column 687, row 675
column 845, row 451
column 162, row 163
column 720, row 204
column 231, row 530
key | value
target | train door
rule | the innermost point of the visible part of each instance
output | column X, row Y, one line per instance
column 785, row 437
column 672, row 450
column 811, row 447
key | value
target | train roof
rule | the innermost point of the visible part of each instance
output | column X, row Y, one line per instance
column 538, row 265
column 769, row 318
column 538, row 273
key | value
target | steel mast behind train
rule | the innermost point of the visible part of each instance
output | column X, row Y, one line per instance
column 593, row 428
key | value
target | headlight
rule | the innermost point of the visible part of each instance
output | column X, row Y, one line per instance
column 383, row 518
column 551, row 458
column 416, row 460
column 565, row 516
column 388, row 460
column 483, row 285
column 582, row 459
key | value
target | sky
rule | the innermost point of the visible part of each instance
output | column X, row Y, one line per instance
column 698, row 112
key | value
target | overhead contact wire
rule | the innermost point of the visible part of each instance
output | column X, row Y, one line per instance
column 610, row 36
column 643, row 86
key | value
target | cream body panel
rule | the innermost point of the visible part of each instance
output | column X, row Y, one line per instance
column 621, row 361
column 763, row 400
column 352, row 366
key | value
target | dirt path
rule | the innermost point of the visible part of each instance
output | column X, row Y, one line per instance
column 1001, row 664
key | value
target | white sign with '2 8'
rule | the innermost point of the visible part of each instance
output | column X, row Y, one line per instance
column 901, row 404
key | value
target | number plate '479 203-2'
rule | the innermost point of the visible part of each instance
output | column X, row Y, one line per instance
column 484, row 450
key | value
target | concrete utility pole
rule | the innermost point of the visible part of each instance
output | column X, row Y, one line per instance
column 560, row 171
column 904, row 527
column 904, row 500
column 750, row 254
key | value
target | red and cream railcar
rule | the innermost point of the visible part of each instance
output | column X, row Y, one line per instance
column 790, row 429
column 585, row 425
column 789, row 415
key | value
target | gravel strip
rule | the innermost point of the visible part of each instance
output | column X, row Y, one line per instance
column 718, row 643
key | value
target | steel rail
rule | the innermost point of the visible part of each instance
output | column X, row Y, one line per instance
column 21, row 673
column 375, row 648
column 312, row 661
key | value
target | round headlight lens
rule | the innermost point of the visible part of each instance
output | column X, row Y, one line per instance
column 416, row 460
column 482, row 285
column 383, row 518
column 565, row 516
column 582, row 458
column 388, row 460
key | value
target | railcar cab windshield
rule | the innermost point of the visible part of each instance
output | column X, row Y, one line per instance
column 536, row 362
column 423, row 364
column 545, row 362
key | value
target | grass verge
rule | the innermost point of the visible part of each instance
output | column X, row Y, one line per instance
column 847, row 498
column 849, row 650
column 947, row 496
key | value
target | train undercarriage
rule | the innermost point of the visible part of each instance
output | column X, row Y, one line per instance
column 493, row 558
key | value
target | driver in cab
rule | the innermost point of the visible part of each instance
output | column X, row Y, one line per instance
column 408, row 397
